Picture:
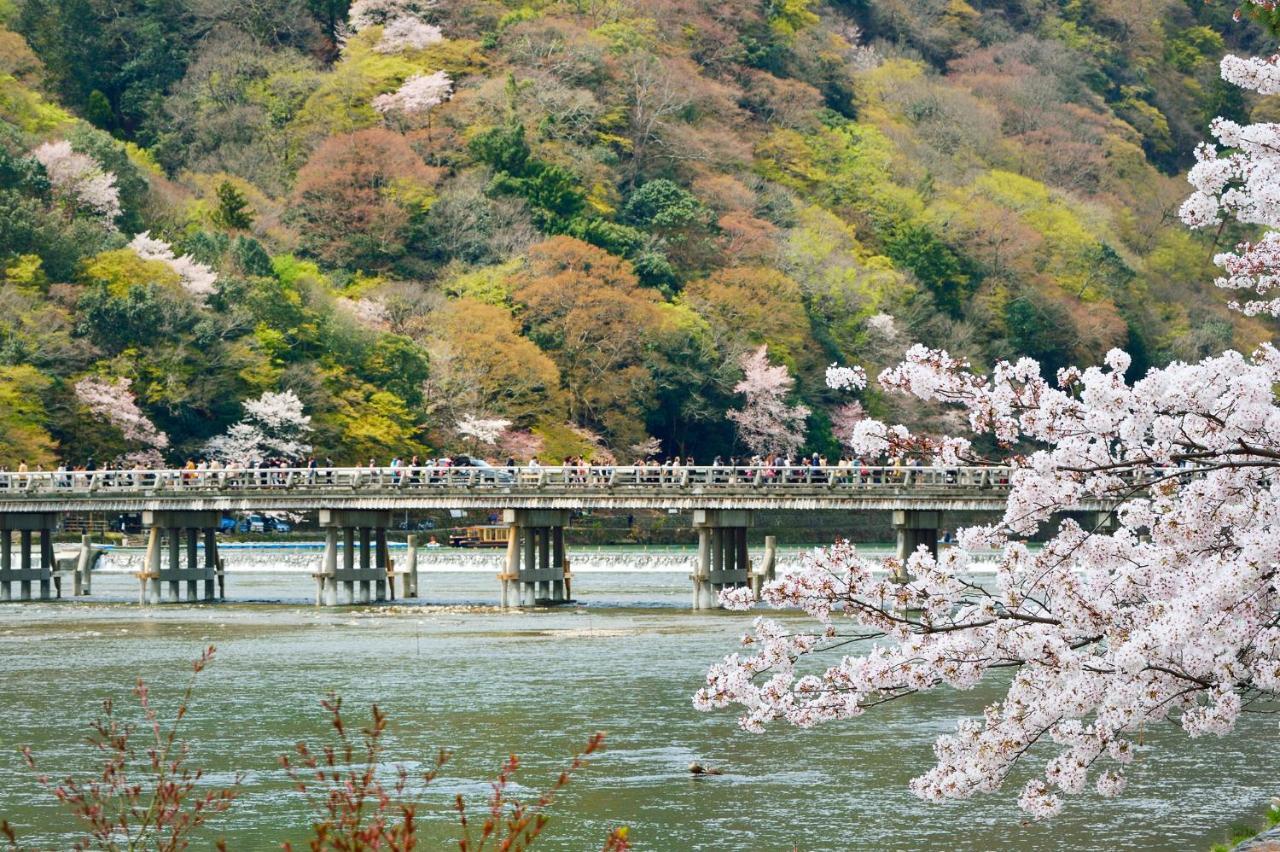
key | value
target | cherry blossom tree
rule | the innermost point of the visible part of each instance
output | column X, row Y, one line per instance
column 407, row 33
column 196, row 278
column 520, row 444
column 78, row 180
column 113, row 400
column 1165, row 608
column 273, row 426
column 481, row 430
column 767, row 424
column 845, row 420
column 416, row 97
column 370, row 13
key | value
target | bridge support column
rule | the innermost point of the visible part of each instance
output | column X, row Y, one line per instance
column 536, row 571
column 410, row 587
column 1104, row 523
column 914, row 528
column 32, row 566
column 722, row 554
column 82, row 575
column 362, row 571
column 179, row 532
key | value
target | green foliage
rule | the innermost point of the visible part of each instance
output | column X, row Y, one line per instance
column 135, row 317
column 251, row 257
column 24, row 436
column 551, row 190
column 949, row 276
column 98, row 111
column 1040, row 329
column 233, row 210
column 665, row 206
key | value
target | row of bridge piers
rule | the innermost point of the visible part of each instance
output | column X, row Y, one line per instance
column 182, row 561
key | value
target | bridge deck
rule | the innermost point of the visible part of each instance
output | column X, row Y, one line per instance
column 615, row 487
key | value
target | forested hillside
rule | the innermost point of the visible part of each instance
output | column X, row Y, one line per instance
column 579, row 216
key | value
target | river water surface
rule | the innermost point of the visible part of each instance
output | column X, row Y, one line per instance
column 461, row 674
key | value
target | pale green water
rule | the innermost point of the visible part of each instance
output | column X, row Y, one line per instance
column 484, row 683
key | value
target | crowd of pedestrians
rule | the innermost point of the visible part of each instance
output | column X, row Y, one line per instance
column 774, row 467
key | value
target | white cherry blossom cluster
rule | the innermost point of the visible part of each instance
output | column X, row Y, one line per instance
column 372, row 13
column 273, row 426
column 78, row 180
column 1242, row 181
column 406, row 34
column 404, row 23
column 846, row 378
column 484, row 430
column 1167, row 610
column 196, row 278
column 416, row 96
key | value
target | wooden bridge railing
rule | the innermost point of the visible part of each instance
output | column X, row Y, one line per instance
column 565, row 479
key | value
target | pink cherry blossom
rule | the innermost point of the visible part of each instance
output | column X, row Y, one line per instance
column 113, row 400
column 767, row 424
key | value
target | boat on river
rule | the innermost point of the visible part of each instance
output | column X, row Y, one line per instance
column 489, row 535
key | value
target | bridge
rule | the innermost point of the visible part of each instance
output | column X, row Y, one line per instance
column 181, row 510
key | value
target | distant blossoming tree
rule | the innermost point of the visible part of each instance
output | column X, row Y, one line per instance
column 485, row 431
column 845, row 420
column 407, row 33
column 273, row 426
column 416, row 97
column 767, row 424
column 371, row 13
column 368, row 312
column 520, row 444
column 1166, row 609
column 78, row 180
column 197, row 279
column 113, row 400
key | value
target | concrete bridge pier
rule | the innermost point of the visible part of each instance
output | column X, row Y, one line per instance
column 537, row 570
column 32, row 565
column 174, row 537
column 722, row 554
column 355, row 568
column 914, row 528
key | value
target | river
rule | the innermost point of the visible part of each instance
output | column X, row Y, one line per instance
column 461, row 674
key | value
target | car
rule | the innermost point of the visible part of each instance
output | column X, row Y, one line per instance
column 489, row 473
column 264, row 524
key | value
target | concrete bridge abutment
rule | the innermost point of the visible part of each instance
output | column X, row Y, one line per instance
column 174, row 559
column 723, row 562
column 915, row 528
column 356, row 568
column 31, row 564
column 537, row 569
